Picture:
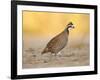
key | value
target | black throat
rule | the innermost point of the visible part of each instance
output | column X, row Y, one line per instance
column 67, row 29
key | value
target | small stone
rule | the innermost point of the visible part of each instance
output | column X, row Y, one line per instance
column 34, row 55
column 45, row 61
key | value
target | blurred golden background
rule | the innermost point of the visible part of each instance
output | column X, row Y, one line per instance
column 45, row 24
column 40, row 27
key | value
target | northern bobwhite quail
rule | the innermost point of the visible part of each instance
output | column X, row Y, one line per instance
column 58, row 42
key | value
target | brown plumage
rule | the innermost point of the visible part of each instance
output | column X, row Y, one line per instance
column 58, row 42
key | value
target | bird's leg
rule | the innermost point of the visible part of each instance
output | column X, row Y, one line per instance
column 55, row 55
column 59, row 53
column 52, row 57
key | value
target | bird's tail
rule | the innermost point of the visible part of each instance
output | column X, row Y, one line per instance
column 44, row 51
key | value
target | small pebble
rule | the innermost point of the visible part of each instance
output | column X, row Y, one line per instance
column 45, row 61
column 34, row 55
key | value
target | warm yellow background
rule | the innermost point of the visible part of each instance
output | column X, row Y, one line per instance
column 45, row 24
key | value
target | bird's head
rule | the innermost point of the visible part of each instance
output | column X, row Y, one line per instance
column 70, row 25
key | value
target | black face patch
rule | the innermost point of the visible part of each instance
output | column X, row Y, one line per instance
column 70, row 23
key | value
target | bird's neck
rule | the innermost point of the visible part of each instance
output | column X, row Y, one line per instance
column 67, row 30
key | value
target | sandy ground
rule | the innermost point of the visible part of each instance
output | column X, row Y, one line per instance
column 76, row 54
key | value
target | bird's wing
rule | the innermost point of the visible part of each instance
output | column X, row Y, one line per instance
column 52, row 42
column 58, row 42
